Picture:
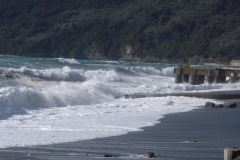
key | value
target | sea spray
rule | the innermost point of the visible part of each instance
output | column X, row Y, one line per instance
column 68, row 74
column 105, row 76
column 64, row 74
column 60, row 95
column 168, row 72
column 144, row 70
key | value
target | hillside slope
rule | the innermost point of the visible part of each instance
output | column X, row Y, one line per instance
column 134, row 30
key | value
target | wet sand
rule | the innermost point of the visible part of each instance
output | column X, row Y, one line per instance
column 198, row 134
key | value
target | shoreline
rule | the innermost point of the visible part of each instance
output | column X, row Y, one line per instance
column 197, row 134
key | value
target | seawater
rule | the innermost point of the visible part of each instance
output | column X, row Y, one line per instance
column 56, row 100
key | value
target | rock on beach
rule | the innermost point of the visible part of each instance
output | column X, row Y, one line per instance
column 209, row 105
column 150, row 155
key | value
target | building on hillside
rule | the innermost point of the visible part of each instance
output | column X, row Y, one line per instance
column 235, row 63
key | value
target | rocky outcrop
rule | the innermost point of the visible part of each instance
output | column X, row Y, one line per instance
column 213, row 105
column 128, row 56
column 219, row 106
column 234, row 105
column 150, row 155
column 196, row 60
column 209, row 105
column 92, row 53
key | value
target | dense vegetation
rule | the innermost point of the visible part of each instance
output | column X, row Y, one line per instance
column 153, row 30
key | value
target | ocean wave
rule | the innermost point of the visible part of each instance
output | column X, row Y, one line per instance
column 68, row 74
column 111, row 62
column 167, row 72
column 65, row 104
column 124, row 71
column 64, row 74
column 13, row 100
column 105, row 76
column 66, row 60
column 144, row 70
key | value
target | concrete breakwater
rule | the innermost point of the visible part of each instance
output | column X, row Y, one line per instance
column 220, row 95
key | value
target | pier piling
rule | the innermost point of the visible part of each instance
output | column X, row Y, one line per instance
column 201, row 79
column 220, row 79
column 178, row 75
column 193, row 79
column 210, row 79
column 185, row 78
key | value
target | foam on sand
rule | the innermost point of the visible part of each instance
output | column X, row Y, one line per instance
column 74, row 123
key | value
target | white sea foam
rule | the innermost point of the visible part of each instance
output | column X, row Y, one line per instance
column 112, row 62
column 15, row 99
column 53, row 104
column 168, row 72
column 68, row 74
column 145, row 70
column 81, row 122
column 64, row 74
column 67, row 60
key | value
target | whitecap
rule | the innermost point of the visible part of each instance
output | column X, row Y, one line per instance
column 66, row 60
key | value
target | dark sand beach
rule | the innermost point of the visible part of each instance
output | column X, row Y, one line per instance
column 198, row 134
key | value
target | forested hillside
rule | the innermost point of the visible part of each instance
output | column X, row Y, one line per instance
column 134, row 30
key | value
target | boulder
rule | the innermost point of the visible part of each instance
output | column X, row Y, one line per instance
column 150, row 155
column 219, row 106
column 231, row 153
column 209, row 105
column 234, row 105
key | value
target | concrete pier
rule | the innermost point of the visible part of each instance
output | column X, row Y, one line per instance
column 193, row 79
column 220, row 95
column 210, row 79
column 185, row 78
column 201, row 79
column 220, row 79
column 178, row 75
column 233, row 80
column 197, row 76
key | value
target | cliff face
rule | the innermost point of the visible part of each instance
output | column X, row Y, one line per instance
column 168, row 31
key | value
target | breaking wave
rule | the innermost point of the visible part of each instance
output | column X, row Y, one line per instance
column 70, row 61
column 14, row 99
